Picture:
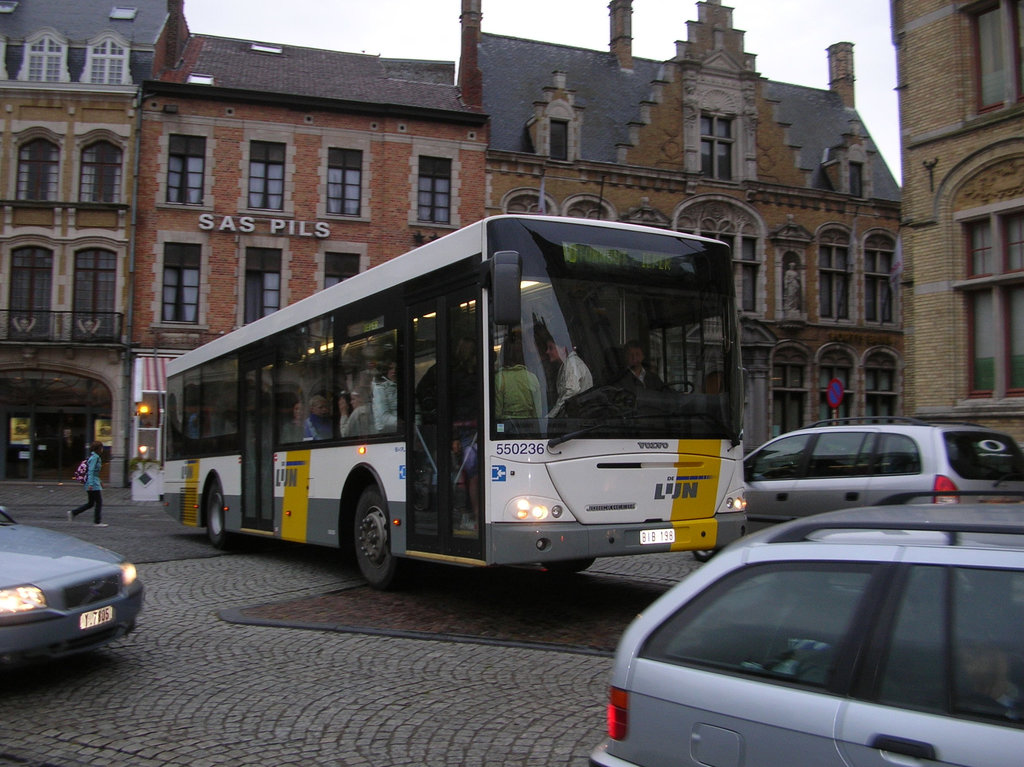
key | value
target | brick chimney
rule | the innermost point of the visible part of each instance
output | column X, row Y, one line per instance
column 172, row 40
column 622, row 32
column 471, row 79
column 840, row 72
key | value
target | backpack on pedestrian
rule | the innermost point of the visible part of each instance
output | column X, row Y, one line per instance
column 82, row 472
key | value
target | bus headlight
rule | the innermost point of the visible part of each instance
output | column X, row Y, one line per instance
column 526, row 509
column 736, row 502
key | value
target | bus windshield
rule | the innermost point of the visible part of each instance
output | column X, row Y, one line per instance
column 622, row 334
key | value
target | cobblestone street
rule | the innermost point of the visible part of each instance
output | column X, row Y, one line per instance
column 191, row 688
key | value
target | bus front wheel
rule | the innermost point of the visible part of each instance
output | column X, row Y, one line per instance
column 373, row 540
column 216, row 529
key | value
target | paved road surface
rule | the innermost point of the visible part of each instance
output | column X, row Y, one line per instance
column 188, row 688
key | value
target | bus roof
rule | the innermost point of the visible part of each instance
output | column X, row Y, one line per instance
column 450, row 249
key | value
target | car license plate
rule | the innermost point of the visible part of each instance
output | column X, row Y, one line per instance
column 657, row 536
column 95, row 618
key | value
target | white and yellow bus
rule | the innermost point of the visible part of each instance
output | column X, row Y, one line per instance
column 478, row 401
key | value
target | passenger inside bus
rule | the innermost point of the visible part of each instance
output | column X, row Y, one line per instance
column 517, row 390
column 318, row 424
column 637, row 375
column 344, row 411
column 570, row 372
column 360, row 423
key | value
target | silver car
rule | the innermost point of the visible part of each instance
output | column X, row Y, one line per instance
column 861, row 462
column 880, row 636
column 60, row 595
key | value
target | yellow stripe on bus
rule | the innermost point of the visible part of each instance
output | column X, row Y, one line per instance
column 295, row 504
column 695, row 535
column 698, row 470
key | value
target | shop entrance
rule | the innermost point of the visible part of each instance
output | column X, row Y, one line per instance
column 50, row 419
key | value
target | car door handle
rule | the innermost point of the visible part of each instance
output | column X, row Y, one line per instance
column 782, row 496
column 852, row 496
column 914, row 748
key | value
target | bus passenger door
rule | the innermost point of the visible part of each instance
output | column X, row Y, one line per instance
column 443, row 487
column 258, row 463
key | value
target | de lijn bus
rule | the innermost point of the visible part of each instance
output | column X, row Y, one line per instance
column 478, row 401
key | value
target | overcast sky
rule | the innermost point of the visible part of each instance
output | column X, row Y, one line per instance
column 789, row 37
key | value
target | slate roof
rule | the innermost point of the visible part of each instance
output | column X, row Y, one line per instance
column 515, row 72
column 82, row 20
column 322, row 74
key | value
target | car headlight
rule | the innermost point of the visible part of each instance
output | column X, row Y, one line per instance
column 20, row 599
column 128, row 573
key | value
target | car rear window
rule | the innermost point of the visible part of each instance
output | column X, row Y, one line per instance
column 984, row 455
column 774, row 621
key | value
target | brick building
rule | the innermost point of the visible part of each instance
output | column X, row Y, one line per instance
column 701, row 142
column 963, row 208
column 269, row 172
column 69, row 75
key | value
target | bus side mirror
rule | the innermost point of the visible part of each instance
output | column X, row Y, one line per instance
column 506, row 297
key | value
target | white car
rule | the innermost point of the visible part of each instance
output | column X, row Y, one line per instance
column 880, row 636
column 59, row 595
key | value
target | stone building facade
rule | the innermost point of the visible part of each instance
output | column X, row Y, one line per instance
column 68, row 85
column 963, row 208
column 701, row 142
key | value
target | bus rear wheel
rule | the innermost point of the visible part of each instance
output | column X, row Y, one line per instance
column 373, row 541
column 216, row 528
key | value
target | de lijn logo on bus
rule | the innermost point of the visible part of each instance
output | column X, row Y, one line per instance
column 675, row 488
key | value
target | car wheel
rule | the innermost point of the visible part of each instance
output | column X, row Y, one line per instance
column 373, row 541
column 216, row 530
column 703, row 555
column 569, row 565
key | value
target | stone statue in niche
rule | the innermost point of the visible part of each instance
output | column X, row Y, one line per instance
column 792, row 291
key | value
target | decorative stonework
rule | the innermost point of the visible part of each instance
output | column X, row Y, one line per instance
column 1003, row 181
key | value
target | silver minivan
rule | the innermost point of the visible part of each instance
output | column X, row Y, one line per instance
column 859, row 638
column 861, row 462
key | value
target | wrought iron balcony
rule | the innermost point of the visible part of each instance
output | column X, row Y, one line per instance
column 63, row 327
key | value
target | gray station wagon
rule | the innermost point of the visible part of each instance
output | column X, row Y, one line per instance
column 863, row 637
column 860, row 462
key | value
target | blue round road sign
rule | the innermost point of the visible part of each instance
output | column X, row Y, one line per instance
column 835, row 392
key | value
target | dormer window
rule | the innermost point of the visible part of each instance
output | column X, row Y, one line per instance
column 197, row 79
column 856, row 179
column 265, row 48
column 123, row 13
column 559, row 148
column 46, row 58
column 108, row 63
column 8, row 6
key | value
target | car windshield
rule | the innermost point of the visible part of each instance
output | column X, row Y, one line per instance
column 985, row 455
column 622, row 334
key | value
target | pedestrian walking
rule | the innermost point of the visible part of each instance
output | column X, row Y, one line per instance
column 93, row 487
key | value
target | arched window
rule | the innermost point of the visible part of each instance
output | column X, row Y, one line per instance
column 834, row 275
column 101, row 173
column 835, row 364
column 879, row 253
column 31, row 287
column 880, row 397
column 46, row 61
column 95, row 291
column 38, row 170
column 789, row 390
column 108, row 63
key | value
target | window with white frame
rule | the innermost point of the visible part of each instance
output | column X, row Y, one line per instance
column 107, row 63
column 994, row 294
column 180, row 301
column 46, row 57
column 186, row 163
column 262, row 282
